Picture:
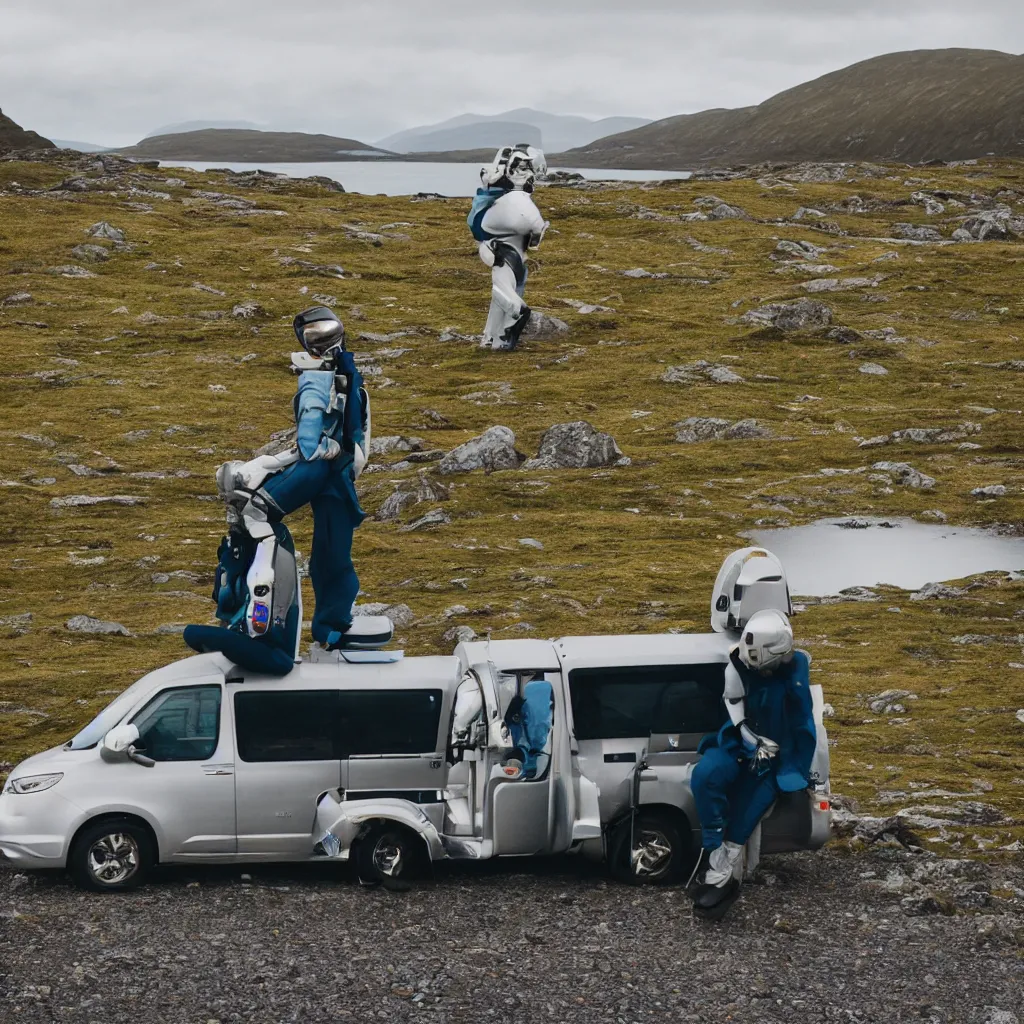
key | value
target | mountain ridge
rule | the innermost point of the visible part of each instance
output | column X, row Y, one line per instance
column 247, row 145
column 912, row 106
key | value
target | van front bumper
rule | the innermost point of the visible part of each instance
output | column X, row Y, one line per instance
column 36, row 828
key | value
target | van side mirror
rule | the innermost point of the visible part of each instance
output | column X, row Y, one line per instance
column 119, row 742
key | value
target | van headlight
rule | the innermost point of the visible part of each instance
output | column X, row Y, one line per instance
column 33, row 783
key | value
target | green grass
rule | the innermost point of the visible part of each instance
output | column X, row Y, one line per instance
column 601, row 566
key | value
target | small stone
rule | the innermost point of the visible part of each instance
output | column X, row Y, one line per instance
column 248, row 311
column 17, row 299
column 71, row 270
column 906, row 475
column 90, row 253
column 437, row 517
column 804, row 314
column 874, row 369
column 991, row 491
column 459, row 635
column 82, row 500
column 102, row 229
column 529, row 542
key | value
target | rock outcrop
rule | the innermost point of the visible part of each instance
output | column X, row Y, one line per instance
column 576, row 445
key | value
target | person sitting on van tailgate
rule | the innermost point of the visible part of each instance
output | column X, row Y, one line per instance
column 506, row 222
column 765, row 749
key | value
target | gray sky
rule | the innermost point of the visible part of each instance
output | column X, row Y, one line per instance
column 111, row 71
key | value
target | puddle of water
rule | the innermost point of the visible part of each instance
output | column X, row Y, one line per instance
column 823, row 558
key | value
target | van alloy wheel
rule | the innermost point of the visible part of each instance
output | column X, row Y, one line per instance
column 113, row 858
column 387, row 856
column 651, row 853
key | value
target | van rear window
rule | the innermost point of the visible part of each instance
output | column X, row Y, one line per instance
column 626, row 703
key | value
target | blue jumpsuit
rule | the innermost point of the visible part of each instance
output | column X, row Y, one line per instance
column 328, row 487
column 731, row 798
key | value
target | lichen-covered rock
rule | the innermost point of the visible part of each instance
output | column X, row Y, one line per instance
column 710, row 428
column 90, row 253
column 87, row 624
column 71, row 270
column 102, row 229
column 905, row 474
column 890, row 702
column 543, row 327
column 248, row 310
column 576, row 445
column 493, row 450
column 801, row 315
column 691, row 373
column 990, row 491
column 916, row 233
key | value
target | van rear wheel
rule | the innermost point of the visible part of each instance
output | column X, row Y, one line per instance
column 649, row 849
column 115, row 855
column 389, row 855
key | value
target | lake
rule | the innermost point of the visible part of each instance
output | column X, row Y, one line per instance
column 401, row 178
column 830, row 555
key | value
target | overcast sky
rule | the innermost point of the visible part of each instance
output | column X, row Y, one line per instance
column 112, row 71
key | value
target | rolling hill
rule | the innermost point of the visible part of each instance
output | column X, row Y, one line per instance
column 247, row 145
column 14, row 137
column 913, row 107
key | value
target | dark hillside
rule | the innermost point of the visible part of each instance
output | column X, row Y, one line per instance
column 913, row 107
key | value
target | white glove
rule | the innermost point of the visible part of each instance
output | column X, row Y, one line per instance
column 327, row 449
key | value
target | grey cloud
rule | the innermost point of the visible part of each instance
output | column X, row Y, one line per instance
column 112, row 70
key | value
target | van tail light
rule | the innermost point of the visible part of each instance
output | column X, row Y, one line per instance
column 824, row 805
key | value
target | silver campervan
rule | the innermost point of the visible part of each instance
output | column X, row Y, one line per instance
column 372, row 757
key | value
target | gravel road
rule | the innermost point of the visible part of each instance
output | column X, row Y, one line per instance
column 881, row 936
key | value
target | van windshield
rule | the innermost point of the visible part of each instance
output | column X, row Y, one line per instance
column 106, row 719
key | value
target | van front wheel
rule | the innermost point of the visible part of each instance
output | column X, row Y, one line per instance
column 115, row 855
column 648, row 849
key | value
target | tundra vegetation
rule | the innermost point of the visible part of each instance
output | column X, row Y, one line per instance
column 145, row 324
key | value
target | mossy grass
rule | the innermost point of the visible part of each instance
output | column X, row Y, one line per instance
column 175, row 392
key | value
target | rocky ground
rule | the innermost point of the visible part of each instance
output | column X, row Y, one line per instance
column 755, row 348
column 885, row 937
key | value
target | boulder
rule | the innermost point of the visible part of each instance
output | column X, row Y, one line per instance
column 905, row 474
column 576, row 445
column 874, row 369
column 459, row 635
column 248, row 310
column 71, row 270
column 87, row 624
column 691, row 373
column 401, row 615
column 83, row 500
column 991, row 491
column 916, row 233
column 90, row 253
column 17, row 299
column 709, row 428
column 801, row 315
column 890, row 702
column 542, row 327
column 937, row 591
column 494, row 449
column 797, row 250
column 845, row 284
column 102, row 229
column 436, row 517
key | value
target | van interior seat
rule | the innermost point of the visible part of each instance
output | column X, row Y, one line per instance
column 529, row 720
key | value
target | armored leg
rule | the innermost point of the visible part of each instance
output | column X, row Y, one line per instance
column 509, row 314
column 334, row 579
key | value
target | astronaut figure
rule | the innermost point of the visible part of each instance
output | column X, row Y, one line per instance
column 506, row 222
column 768, row 744
column 332, row 419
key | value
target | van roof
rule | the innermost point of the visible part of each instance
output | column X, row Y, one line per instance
column 641, row 649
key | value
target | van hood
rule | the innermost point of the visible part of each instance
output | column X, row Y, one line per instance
column 55, row 759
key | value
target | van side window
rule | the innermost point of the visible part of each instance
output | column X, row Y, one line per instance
column 286, row 725
column 626, row 703
column 181, row 724
column 390, row 721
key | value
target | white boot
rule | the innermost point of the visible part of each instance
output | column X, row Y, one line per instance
column 721, row 864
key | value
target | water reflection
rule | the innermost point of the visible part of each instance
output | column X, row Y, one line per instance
column 830, row 555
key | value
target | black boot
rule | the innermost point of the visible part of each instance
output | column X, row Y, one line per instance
column 712, row 902
column 510, row 338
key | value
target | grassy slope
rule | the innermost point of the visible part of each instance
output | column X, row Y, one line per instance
column 602, row 566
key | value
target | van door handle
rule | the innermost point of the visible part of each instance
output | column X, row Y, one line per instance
column 218, row 769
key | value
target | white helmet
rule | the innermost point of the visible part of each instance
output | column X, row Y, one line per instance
column 767, row 640
column 750, row 580
column 514, row 167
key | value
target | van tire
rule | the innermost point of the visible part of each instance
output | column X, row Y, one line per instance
column 390, row 855
column 664, row 849
column 112, row 855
